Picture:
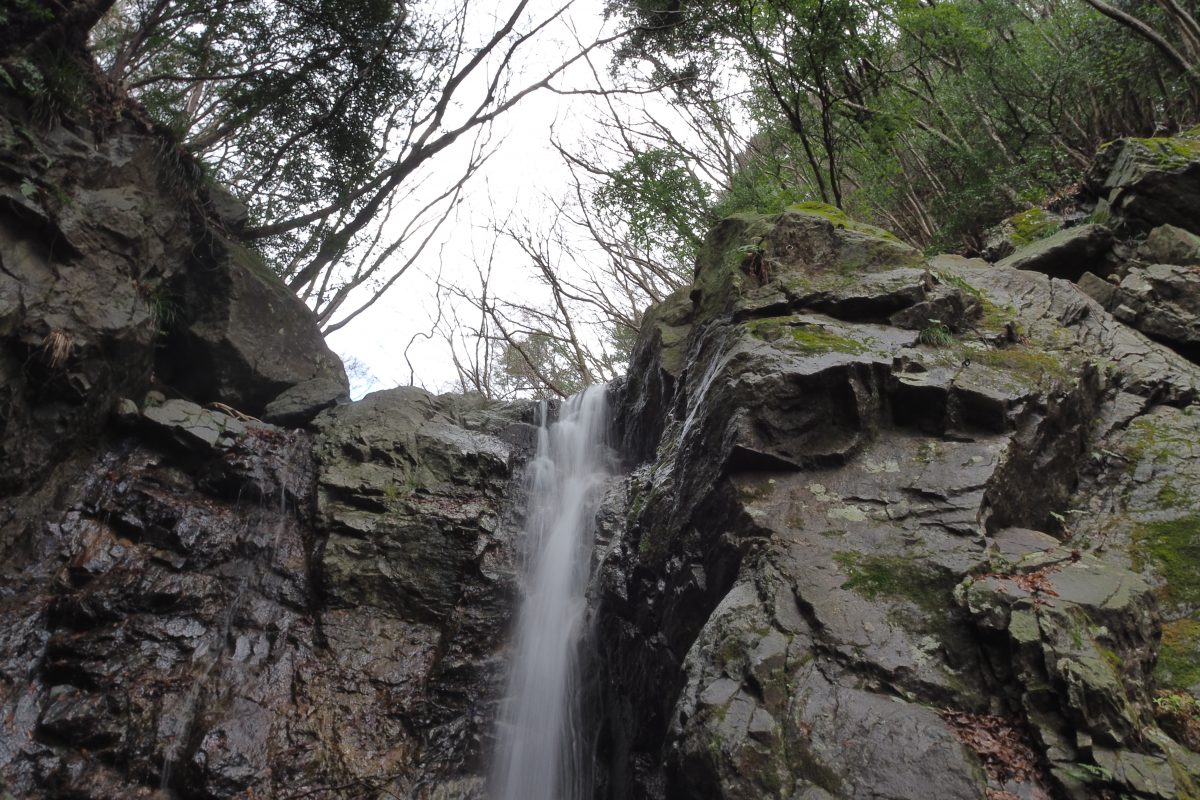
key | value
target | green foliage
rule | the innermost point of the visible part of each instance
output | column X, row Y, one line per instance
column 936, row 335
column 538, row 365
column 283, row 98
column 663, row 202
column 165, row 309
column 53, row 79
column 1172, row 548
column 1031, row 226
column 1178, row 712
column 934, row 120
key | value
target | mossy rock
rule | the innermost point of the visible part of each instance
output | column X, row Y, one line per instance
column 1029, row 365
column 1021, row 229
column 840, row 219
column 1171, row 547
column 808, row 338
column 811, row 246
column 1149, row 181
column 896, row 577
column 1179, row 655
column 1032, row 225
column 1169, row 153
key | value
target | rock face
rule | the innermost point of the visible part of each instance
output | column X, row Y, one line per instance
column 1148, row 182
column 893, row 527
column 217, row 608
column 194, row 603
column 115, row 273
column 1158, row 292
column 1065, row 254
column 888, row 536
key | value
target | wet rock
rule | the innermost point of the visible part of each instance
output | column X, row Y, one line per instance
column 1065, row 254
column 176, row 608
column 415, row 500
column 1167, row 244
column 1160, row 300
column 302, row 402
column 1150, row 182
column 824, row 478
column 1021, row 229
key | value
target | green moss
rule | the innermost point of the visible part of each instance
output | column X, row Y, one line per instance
column 806, row 766
column 876, row 576
column 1110, row 657
column 1170, row 497
column 1101, row 215
column 950, row 279
column 803, row 336
column 927, row 453
column 1179, row 655
column 1030, row 226
column 720, row 278
column 841, row 220
column 997, row 317
column 1170, row 152
column 1153, row 439
column 815, row 339
column 1172, row 549
column 1030, row 365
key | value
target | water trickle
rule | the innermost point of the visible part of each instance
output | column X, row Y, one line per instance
column 540, row 740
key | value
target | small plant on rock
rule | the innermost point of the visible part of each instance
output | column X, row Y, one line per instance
column 56, row 348
column 754, row 262
column 936, row 334
column 164, row 308
column 1179, row 714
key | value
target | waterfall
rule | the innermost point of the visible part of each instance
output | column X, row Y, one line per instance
column 540, row 741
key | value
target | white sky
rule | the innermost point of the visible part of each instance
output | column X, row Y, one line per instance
column 524, row 170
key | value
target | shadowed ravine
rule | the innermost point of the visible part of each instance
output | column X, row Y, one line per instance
column 540, row 736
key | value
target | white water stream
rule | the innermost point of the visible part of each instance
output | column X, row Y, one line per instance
column 540, row 742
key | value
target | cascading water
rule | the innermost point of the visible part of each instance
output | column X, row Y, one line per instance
column 540, row 741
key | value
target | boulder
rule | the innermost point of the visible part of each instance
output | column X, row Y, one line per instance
column 1149, row 182
column 193, row 426
column 845, row 500
column 300, row 403
column 1160, row 300
column 244, row 338
column 1020, row 230
column 111, row 278
column 1167, row 244
column 1065, row 254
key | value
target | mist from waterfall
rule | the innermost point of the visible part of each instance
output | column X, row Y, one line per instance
column 540, row 740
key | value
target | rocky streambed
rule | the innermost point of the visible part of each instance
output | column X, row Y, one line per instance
column 890, row 526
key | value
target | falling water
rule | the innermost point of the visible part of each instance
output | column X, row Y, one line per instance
column 540, row 740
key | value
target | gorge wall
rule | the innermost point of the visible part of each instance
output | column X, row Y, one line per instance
column 892, row 526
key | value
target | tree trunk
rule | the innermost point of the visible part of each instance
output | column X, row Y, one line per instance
column 1146, row 32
